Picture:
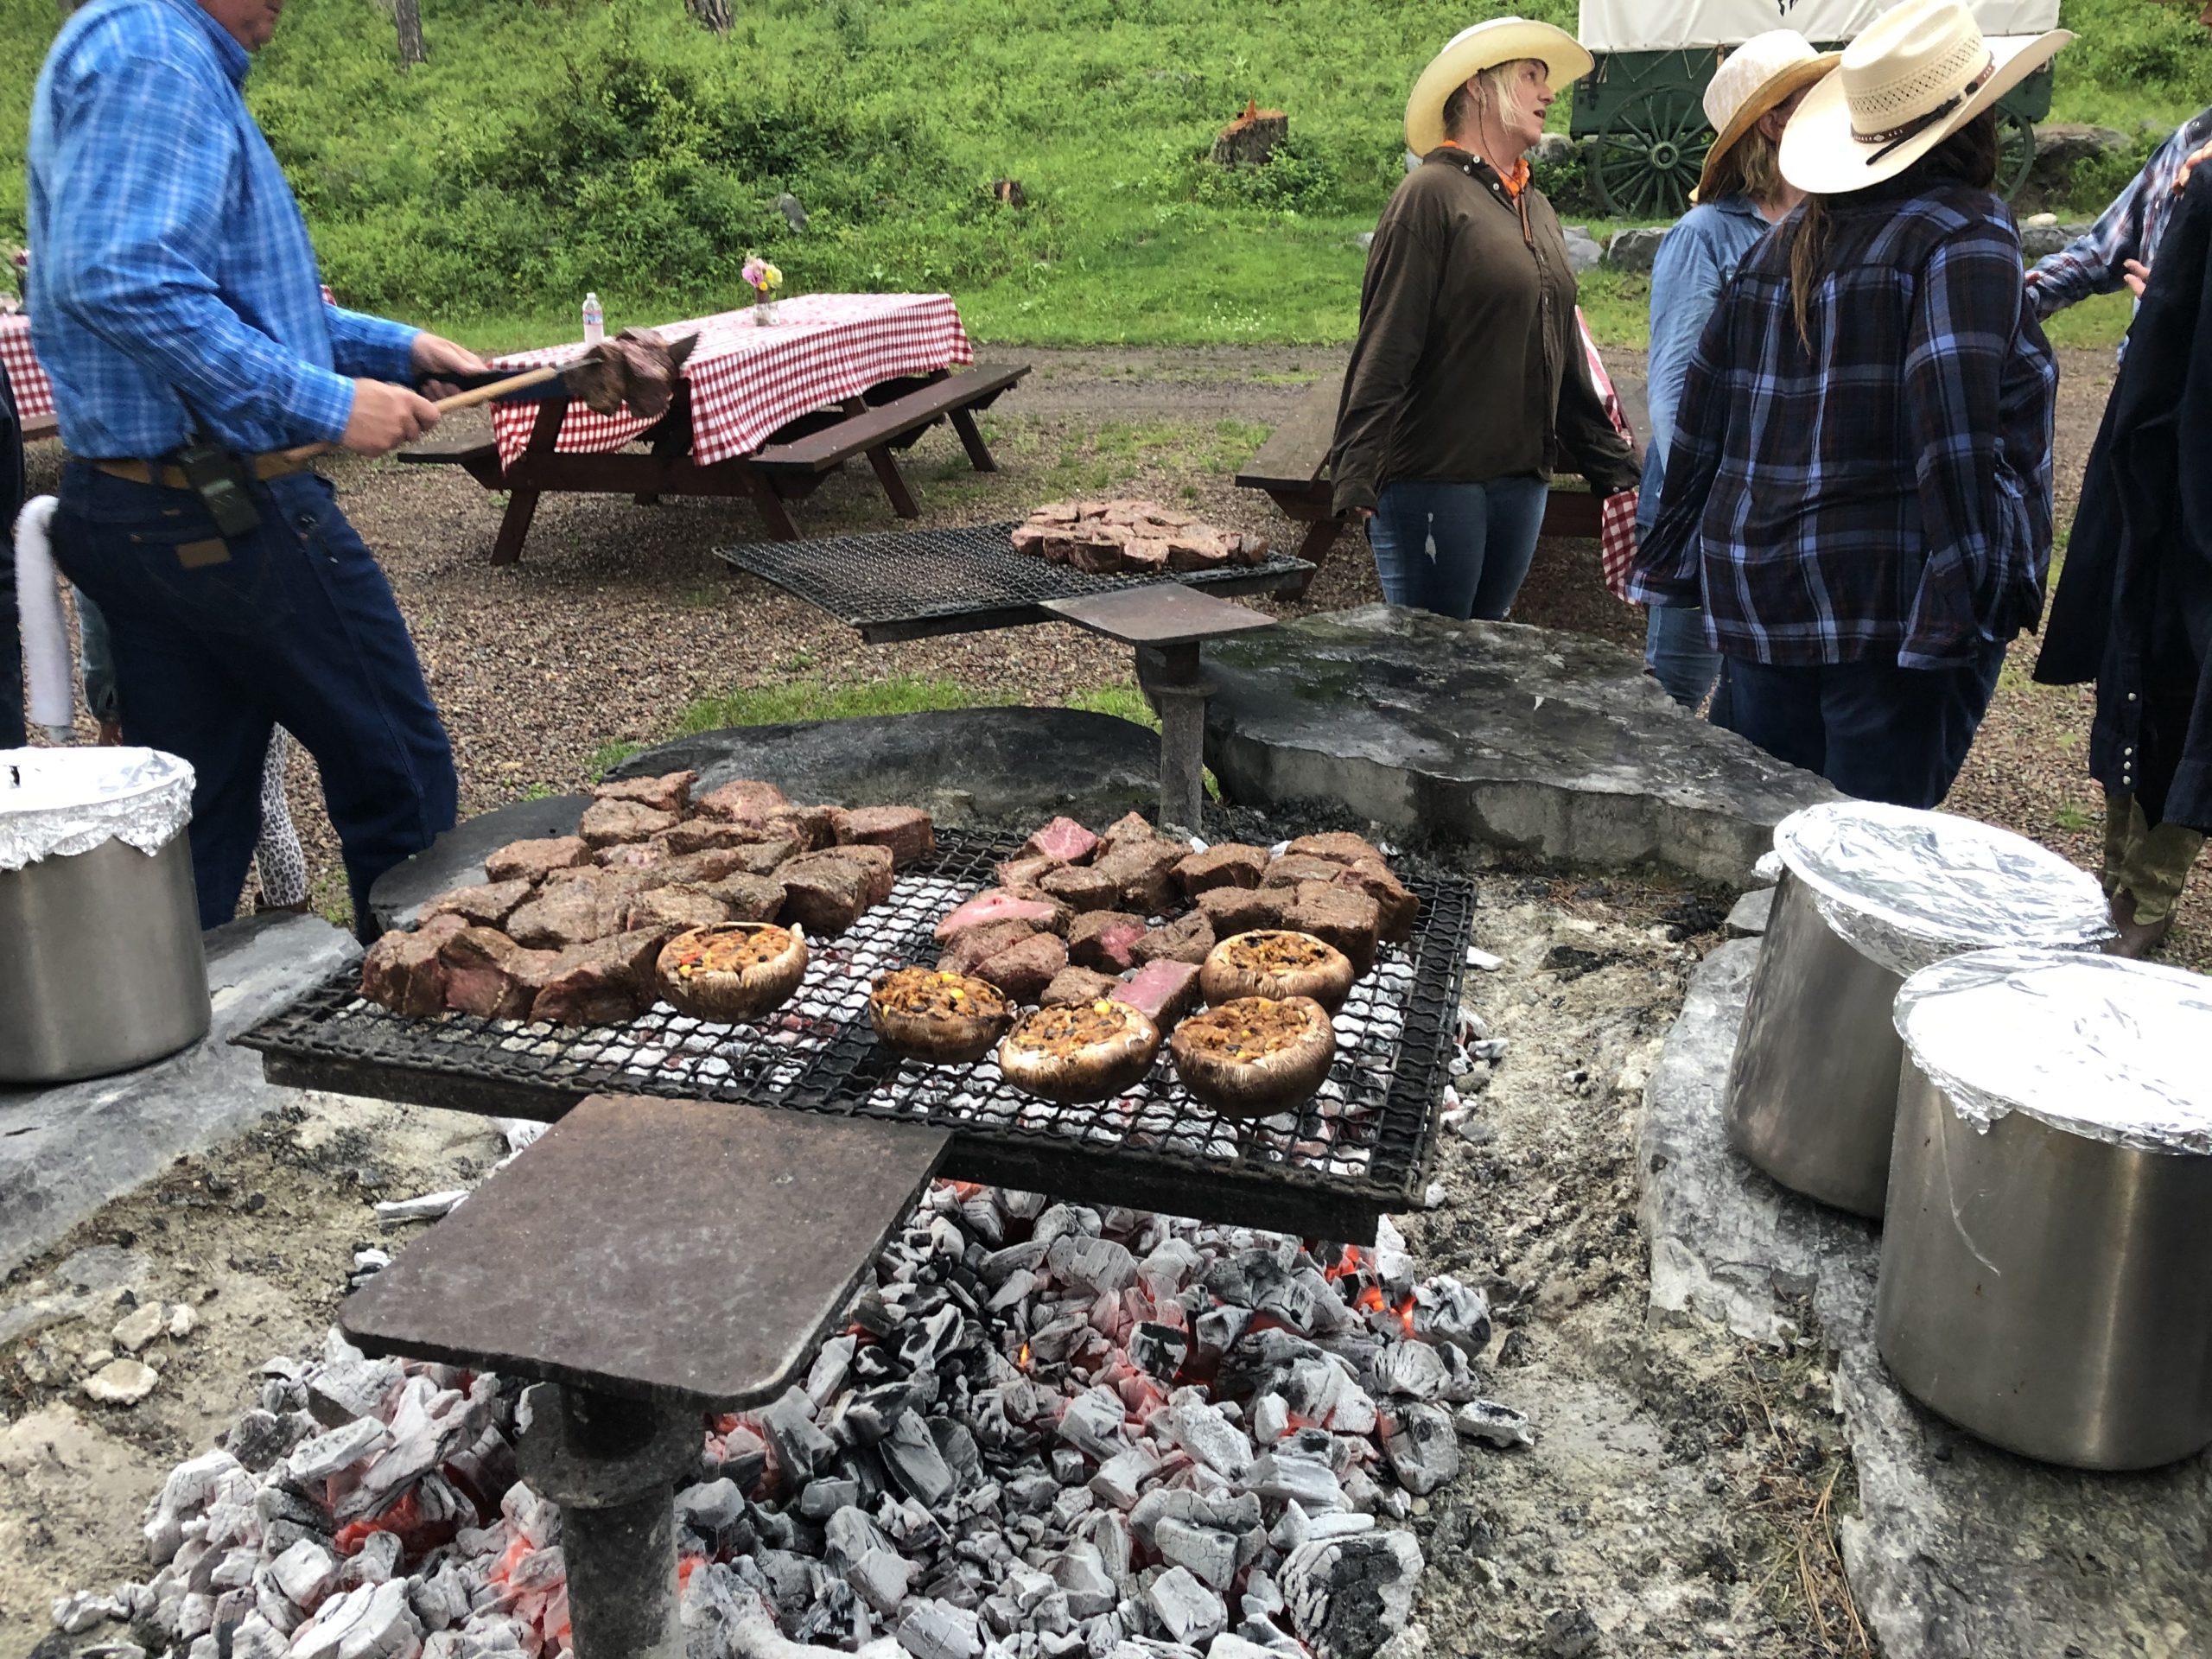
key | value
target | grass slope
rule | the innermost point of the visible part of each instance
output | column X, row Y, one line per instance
column 553, row 146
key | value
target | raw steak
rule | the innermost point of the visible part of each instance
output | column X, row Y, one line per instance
column 1094, row 551
column 760, row 856
column 1400, row 908
column 1195, row 552
column 1130, row 827
column 632, row 855
column 1245, row 547
column 1148, row 555
column 1063, row 839
column 1236, row 910
column 487, row 904
column 745, row 800
column 1143, row 871
column 1025, row 872
column 1105, row 939
column 997, row 904
column 1029, row 541
column 488, row 973
column 1073, row 985
column 567, row 913
column 749, row 898
column 1081, row 887
column 1229, row 865
column 1294, row 867
column 665, row 910
column 906, row 830
column 525, row 861
column 1165, row 991
column 825, row 892
column 812, row 827
column 1339, row 845
column 608, row 821
column 1023, row 971
column 602, row 983
column 405, row 971
column 1342, row 917
column 697, row 834
column 669, row 792
column 1186, row 940
column 972, row 947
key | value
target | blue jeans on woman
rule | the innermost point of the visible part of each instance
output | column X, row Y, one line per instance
column 1459, row 549
column 1676, row 652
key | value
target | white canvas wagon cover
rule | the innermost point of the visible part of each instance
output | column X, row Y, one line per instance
column 1668, row 25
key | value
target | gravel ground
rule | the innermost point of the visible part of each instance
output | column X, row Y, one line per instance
column 619, row 616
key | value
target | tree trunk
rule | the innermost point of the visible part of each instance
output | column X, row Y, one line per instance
column 408, row 15
column 714, row 14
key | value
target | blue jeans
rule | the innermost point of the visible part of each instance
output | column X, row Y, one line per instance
column 1459, row 549
column 1676, row 652
column 1876, row 731
column 216, row 640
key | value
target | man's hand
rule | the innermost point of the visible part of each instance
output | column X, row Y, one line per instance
column 2137, row 276
column 2204, row 153
column 385, row 416
column 433, row 355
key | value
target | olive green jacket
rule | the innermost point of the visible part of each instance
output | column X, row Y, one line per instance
column 1469, row 365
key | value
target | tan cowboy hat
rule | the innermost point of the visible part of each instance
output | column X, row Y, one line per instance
column 1919, row 73
column 1502, row 40
column 1764, row 72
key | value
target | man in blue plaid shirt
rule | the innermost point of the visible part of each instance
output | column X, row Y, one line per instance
column 2116, row 250
column 174, row 300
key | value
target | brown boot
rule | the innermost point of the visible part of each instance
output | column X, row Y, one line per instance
column 2137, row 939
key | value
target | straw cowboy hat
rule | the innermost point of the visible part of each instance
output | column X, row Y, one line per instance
column 1502, row 40
column 1919, row 73
column 1764, row 72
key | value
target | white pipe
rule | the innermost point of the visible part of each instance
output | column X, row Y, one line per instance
column 45, row 628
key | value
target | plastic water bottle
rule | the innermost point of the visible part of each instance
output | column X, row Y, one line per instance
column 594, row 321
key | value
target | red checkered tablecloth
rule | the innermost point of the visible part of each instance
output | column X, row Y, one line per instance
column 33, row 391
column 748, row 380
column 1616, row 518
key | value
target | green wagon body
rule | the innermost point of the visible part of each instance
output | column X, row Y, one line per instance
column 1642, row 117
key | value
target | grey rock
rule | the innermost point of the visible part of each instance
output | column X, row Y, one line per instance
column 1634, row 248
column 139, row 1326
column 1749, row 915
column 1494, row 734
column 2040, row 241
column 1934, row 1553
column 1583, row 253
column 1553, row 150
column 78, row 1611
column 1423, row 1451
column 65, row 1151
column 1494, row 1425
column 121, row 1382
column 2063, row 146
column 1569, row 1633
column 793, row 211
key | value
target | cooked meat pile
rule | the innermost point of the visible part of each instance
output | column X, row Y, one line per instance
column 1134, row 538
column 568, row 928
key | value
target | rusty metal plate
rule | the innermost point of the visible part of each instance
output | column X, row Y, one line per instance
column 1166, row 613
column 685, row 1254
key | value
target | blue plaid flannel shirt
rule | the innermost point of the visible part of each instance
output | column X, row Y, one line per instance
column 167, row 255
column 1890, row 491
column 2096, row 262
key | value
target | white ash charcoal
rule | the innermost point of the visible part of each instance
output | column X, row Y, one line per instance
column 345, row 1390
column 1071, row 1506
column 1230, row 1645
column 958, row 1449
column 183, row 1495
column 710, row 1507
column 1410, row 1370
column 1448, row 1311
column 935, row 1629
column 1342, row 1525
column 1190, row 1613
column 80, row 1611
column 1360, row 1491
column 326, row 1454
column 1062, row 1220
column 1092, row 1422
column 1198, row 1427
column 1279, row 1476
column 1167, row 1268
column 1217, row 1329
column 1092, row 1264
column 801, row 1448
column 1082, row 1575
column 1491, row 1049
column 1423, row 1451
column 910, row 1456
column 440, row 1600
column 260, row 1437
column 373, row 1622
column 306, row 1573
column 1495, row 1424
column 826, row 1378
column 1209, row 1555
column 1032, row 1493
column 934, row 1340
column 273, row 1605
column 1270, row 1419
column 1346, row 1597
column 1068, row 1466
column 1122, row 1477
column 824, row 1497
column 375, row 1562
column 1019, row 1286
column 255, row 1637
column 1108, row 1533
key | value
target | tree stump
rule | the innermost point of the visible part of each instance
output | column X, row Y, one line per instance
column 1251, row 137
column 407, row 17
column 713, row 15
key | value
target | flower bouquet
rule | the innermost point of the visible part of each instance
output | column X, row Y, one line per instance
column 764, row 279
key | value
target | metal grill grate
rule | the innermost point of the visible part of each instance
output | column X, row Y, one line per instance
column 1358, row 1149
column 912, row 584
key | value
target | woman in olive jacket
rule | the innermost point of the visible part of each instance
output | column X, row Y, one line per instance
column 1468, row 379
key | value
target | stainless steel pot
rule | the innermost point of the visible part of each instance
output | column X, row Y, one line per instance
column 1812, row 1089
column 102, row 967
column 2050, row 1294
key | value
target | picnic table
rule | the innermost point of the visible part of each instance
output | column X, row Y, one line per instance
column 763, row 410
column 33, row 391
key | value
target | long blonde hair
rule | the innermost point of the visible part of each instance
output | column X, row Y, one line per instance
column 1501, row 81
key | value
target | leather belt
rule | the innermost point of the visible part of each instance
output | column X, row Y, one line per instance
column 172, row 478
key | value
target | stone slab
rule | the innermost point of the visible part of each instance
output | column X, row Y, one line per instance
column 65, row 1151
column 457, row 858
column 1748, row 916
column 1493, row 734
column 1958, row 1548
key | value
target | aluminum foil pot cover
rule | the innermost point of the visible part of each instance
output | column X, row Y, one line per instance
column 57, row 802
column 1906, row 888
column 2107, row 1049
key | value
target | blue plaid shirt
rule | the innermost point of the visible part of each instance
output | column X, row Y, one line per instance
column 1889, row 491
column 168, row 256
column 2096, row 262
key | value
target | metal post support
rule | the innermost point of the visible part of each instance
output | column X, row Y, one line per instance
column 612, row 1466
column 1170, row 675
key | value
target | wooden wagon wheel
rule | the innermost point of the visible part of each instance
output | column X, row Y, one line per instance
column 1646, row 160
column 2016, row 152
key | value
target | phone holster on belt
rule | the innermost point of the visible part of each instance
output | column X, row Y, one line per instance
column 223, row 482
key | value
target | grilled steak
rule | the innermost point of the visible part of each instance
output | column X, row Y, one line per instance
column 997, row 904
column 812, row 827
column 1143, row 871
column 749, row 898
column 606, row 822
column 602, row 983
column 1026, row 871
column 405, row 972
column 1342, row 917
column 1063, row 840
column 1072, row 985
column 669, row 792
column 666, row 911
column 747, row 800
column 906, row 830
column 1229, row 865
column 487, row 904
column 488, row 974
column 1400, row 908
column 631, row 855
column 971, row 948
column 1082, row 887
column 1130, row 827
column 567, row 913
column 1105, row 939
column 1165, row 990
column 1187, row 939
column 1023, row 970
column 1294, row 867
column 709, row 864
column 1233, row 909
column 525, row 861
column 697, row 834
column 825, row 892
column 1340, row 846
